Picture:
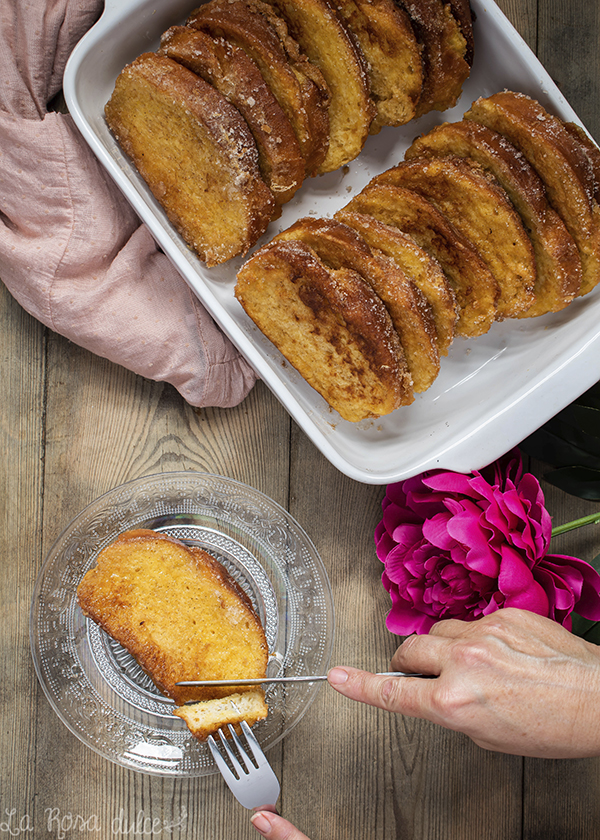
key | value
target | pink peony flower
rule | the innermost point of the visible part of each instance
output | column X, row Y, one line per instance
column 462, row 546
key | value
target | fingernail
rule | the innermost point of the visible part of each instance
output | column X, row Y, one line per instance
column 261, row 823
column 337, row 676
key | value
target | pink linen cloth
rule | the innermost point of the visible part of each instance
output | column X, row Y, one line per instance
column 72, row 251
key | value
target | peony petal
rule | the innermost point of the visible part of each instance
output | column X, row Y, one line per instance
column 456, row 545
column 518, row 585
column 425, row 503
column 484, row 491
column 470, row 529
column 496, row 602
column 403, row 619
column 560, row 596
column 406, row 623
column 587, row 597
column 506, row 470
column 497, row 524
column 527, row 506
column 395, row 515
column 385, row 501
column 435, row 531
column 383, row 543
column 396, row 565
column 395, row 494
column 446, row 482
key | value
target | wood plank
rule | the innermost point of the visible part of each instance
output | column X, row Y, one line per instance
column 22, row 373
column 568, row 49
column 523, row 14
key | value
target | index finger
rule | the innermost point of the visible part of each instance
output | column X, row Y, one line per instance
column 450, row 627
column 405, row 695
column 422, row 654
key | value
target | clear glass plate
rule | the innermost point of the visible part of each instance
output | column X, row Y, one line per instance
column 97, row 688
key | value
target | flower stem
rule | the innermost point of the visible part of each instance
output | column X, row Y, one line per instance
column 576, row 523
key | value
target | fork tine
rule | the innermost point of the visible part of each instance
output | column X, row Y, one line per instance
column 239, row 766
column 255, row 748
column 224, row 768
column 242, row 751
column 252, row 784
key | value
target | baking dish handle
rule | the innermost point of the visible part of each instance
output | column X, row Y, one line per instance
column 112, row 6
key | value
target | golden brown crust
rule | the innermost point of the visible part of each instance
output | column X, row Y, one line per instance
column 480, row 209
column 557, row 258
column 591, row 150
column 444, row 53
column 319, row 30
column 296, row 83
column 177, row 611
column 387, row 40
column 561, row 163
column 424, row 271
column 234, row 74
column 339, row 246
column 195, row 152
column 461, row 9
column 475, row 288
column 330, row 325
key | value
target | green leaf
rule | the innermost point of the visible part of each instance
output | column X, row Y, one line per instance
column 591, row 397
column 581, row 625
column 567, row 427
column 577, row 481
column 549, row 447
column 593, row 634
column 582, row 417
column 584, row 627
column 595, row 563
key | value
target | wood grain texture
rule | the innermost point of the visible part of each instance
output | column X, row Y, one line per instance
column 72, row 426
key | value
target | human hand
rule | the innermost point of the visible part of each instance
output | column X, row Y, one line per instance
column 513, row 681
column 271, row 825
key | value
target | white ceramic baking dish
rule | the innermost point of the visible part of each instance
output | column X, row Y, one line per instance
column 492, row 391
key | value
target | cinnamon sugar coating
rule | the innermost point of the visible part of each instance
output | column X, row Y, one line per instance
column 557, row 258
column 195, row 152
column 480, row 209
column 474, row 285
column 234, row 74
column 330, row 325
column 177, row 611
column 590, row 149
column 445, row 53
column 339, row 246
column 461, row 9
column 322, row 36
column 561, row 162
column 387, row 40
column 424, row 271
column 297, row 84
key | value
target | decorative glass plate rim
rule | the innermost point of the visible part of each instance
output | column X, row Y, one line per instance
column 257, row 539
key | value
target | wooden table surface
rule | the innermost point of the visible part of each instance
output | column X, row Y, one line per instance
column 73, row 426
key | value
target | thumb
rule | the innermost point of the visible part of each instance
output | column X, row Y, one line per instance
column 274, row 827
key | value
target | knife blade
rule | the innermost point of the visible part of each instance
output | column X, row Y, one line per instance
column 306, row 679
